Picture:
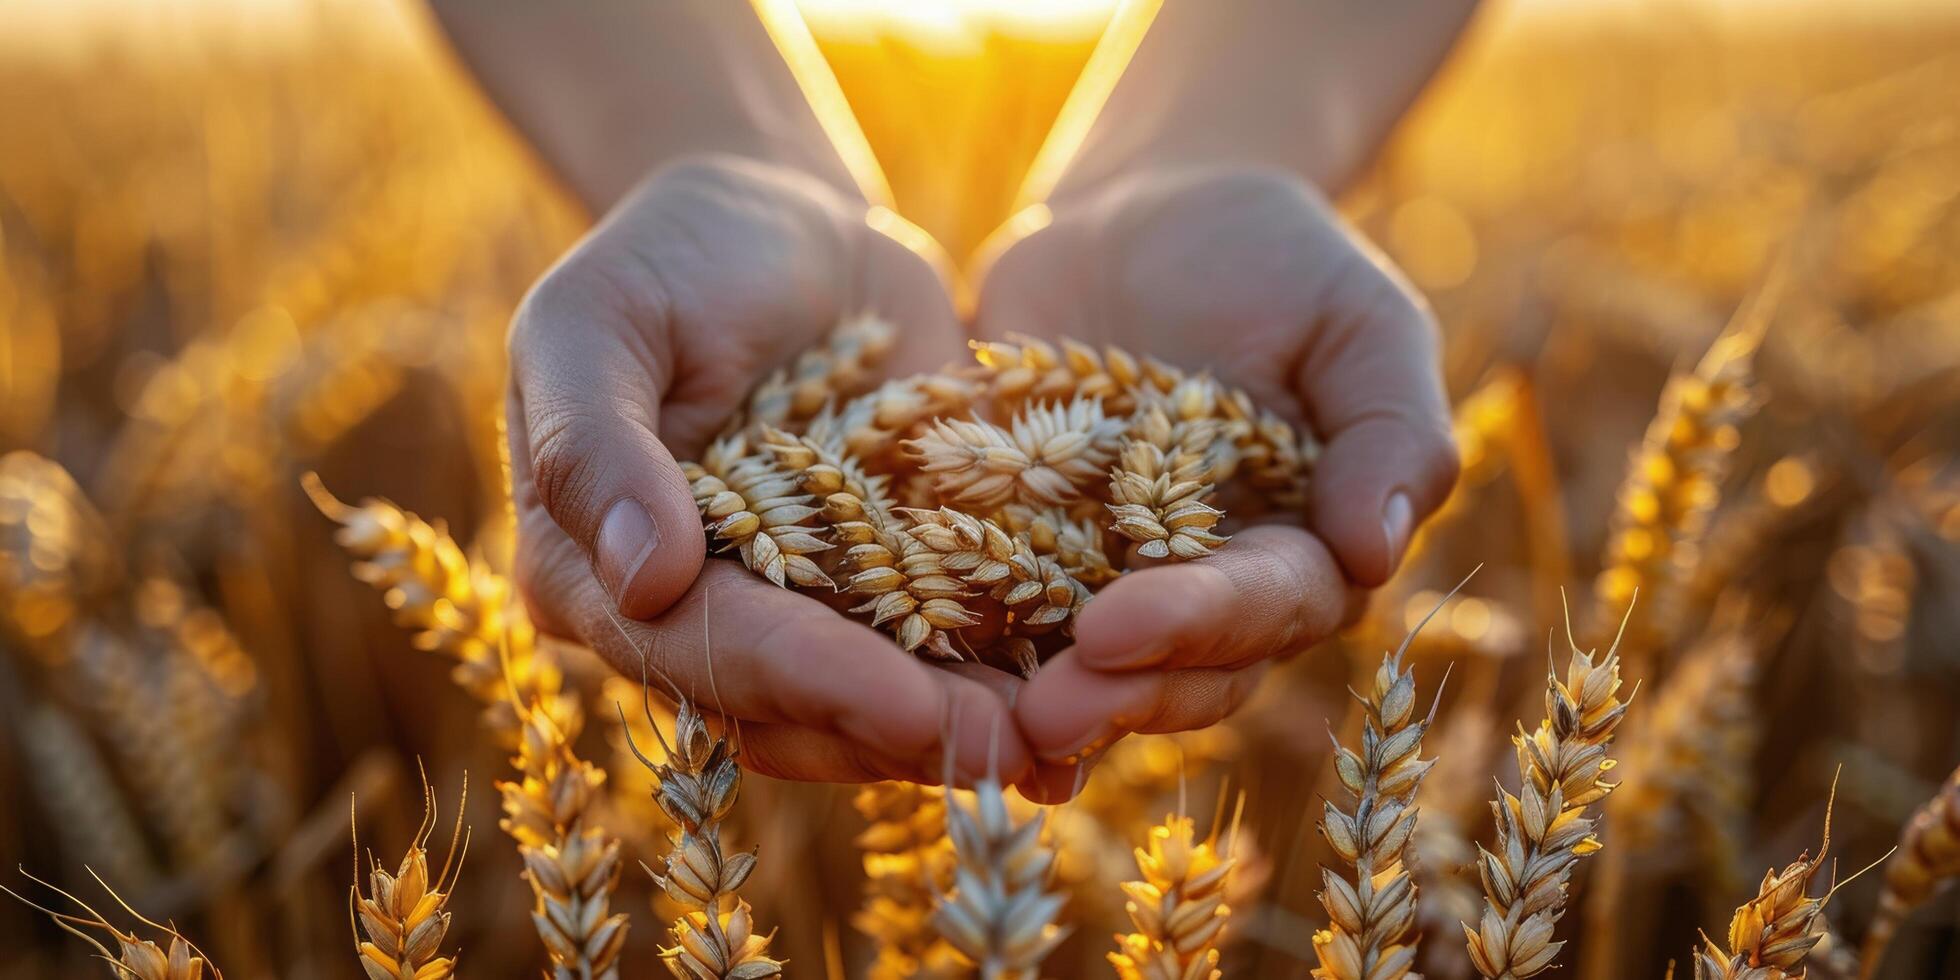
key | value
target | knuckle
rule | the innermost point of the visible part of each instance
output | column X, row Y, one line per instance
column 566, row 465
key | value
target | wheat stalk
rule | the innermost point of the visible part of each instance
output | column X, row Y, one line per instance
column 1176, row 906
column 1675, row 477
column 1771, row 934
column 908, row 860
column 1928, row 857
column 1544, row 830
column 457, row 606
column 1000, row 914
column 714, row 939
column 403, row 914
column 133, row 958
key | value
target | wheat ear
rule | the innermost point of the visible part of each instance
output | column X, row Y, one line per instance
column 1928, row 857
column 908, row 860
column 1771, row 934
column 1675, row 477
column 837, row 368
column 715, row 938
column 457, row 607
column 1544, row 830
column 1176, row 906
column 1000, row 914
column 1372, row 918
column 403, row 913
column 572, row 865
column 133, row 958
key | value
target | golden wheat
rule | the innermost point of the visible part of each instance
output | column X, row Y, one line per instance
column 404, row 914
column 908, row 861
column 1771, row 934
column 1176, row 906
column 1372, row 918
column 457, row 606
column 1544, row 830
column 134, row 958
column 1000, row 914
column 715, row 938
column 1928, row 857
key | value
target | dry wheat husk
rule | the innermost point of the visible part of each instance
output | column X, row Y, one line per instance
column 715, row 938
column 457, row 607
column 1545, row 829
column 1927, row 859
column 1773, row 933
column 1177, row 906
column 133, row 957
column 403, row 914
column 1372, row 918
column 908, row 861
column 1000, row 915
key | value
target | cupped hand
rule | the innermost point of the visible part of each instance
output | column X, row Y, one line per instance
column 1249, row 275
column 634, row 351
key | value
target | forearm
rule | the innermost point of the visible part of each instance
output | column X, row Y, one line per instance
column 609, row 89
column 1311, row 86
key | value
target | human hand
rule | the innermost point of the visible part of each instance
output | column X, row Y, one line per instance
column 635, row 349
column 1248, row 274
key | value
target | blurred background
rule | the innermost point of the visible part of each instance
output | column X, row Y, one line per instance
column 240, row 241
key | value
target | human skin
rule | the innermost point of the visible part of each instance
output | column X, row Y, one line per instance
column 1176, row 227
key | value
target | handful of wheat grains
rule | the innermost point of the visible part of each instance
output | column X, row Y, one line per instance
column 973, row 511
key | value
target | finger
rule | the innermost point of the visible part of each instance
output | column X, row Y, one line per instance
column 1271, row 590
column 739, row 646
column 584, row 410
column 1070, row 713
column 796, row 752
column 1370, row 379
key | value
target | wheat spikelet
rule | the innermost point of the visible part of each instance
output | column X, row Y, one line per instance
column 1166, row 517
column 1076, row 543
column 1675, row 477
column 572, row 865
column 457, row 606
column 1177, row 906
column 1000, row 914
column 1544, row 830
column 1047, row 457
column 56, row 554
column 756, row 507
column 714, row 939
column 133, row 958
column 74, row 785
column 1372, row 917
column 1928, row 857
column 403, row 914
column 1771, row 934
column 908, row 860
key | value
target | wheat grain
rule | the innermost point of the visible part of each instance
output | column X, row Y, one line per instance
column 1372, row 917
column 403, row 914
column 1544, row 830
column 134, row 958
column 835, row 369
column 1000, row 914
column 1928, row 857
column 457, row 606
column 714, row 939
column 754, row 506
column 908, row 860
column 1047, row 457
column 1771, row 934
column 1177, row 906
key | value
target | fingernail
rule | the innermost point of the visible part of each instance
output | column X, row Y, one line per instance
column 1398, row 519
column 627, row 538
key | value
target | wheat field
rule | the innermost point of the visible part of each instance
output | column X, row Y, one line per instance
column 1698, row 264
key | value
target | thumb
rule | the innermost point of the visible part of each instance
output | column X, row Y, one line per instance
column 584, row 409
column 1372, row 383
